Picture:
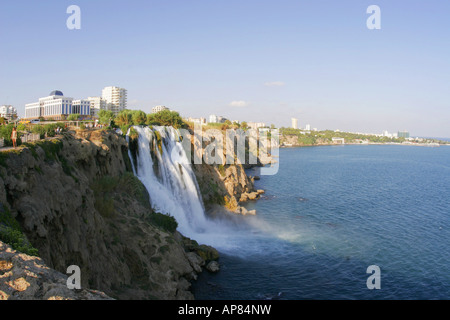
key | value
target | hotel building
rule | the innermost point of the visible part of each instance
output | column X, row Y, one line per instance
column 115, row 98
column 56, row 107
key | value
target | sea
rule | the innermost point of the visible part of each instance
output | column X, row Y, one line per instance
column 330, row 215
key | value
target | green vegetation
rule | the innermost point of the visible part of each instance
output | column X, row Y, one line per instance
column 11, row 233
column 50, row 147
column 164, row 221
column 46, row 130
column 106, row 117
column 107, row 187
column 5, row 133
column 127, row 118
column 133, row 134
column 326, row 136
column 73, row 117
column 4, row 155
column 166, row 118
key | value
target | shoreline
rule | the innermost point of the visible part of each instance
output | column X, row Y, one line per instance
column 367, row 144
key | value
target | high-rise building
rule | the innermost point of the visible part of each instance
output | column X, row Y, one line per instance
column 8, row 112
column 97, row 104
column 159, row 109
column 116, row 98
column 294, row 123
column 308, row 127
column 403, row 134
column 56, row 107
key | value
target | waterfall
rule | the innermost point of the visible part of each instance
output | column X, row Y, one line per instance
column 162, row 166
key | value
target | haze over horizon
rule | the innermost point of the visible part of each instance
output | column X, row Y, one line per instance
column 253, row 60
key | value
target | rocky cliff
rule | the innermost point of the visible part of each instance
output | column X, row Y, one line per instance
column 24, row 277
column 76, row 201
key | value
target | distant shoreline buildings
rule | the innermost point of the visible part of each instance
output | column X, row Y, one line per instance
column 8, row 112
column 159, row 109
column 56, row 106
column 294, row 123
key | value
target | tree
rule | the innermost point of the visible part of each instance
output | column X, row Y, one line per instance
column 2, row 120
column 244, row 125
column 139, row 117
column 124, row 118
column 105, row 117
column 166, row 118
column 73, row 117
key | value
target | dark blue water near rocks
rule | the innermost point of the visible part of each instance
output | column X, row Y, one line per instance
column 331, row 212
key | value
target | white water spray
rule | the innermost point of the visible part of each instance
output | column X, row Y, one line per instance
column 162, row 166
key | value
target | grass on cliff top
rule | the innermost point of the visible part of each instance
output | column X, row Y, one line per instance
column 11, row 233
column 4, row 155
column 50, row 147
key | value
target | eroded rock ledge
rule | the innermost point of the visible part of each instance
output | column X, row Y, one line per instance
column 23, row 277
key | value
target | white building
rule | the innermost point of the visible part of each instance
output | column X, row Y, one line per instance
column 116, row 98
column 82, row 107
column 256, row 125
column 56, row 107
column 201, row 121
column 308, row 127
column 8, row 112
column 97, row 104
column 213, row 119
column 216, row 119
column 159, row 109
column 294, row 123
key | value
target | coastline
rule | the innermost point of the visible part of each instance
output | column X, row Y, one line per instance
column 365, row 144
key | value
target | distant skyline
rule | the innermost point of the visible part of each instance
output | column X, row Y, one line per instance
column 248, row 60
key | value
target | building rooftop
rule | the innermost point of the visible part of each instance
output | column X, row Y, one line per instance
column 56, row 93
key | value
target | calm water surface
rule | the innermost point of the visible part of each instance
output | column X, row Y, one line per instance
column 331, row 212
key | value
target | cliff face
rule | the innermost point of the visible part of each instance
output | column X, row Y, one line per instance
column 23, row 277
column 78, row 204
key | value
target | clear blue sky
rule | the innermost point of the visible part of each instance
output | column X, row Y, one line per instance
column 313, row 60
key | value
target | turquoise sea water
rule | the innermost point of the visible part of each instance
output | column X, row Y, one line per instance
column 331, row 212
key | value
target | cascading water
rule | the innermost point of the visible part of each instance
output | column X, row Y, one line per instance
column 162, row 166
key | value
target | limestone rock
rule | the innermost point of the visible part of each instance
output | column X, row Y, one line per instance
column 213, row 266
column 28, row 278
column 51, row 188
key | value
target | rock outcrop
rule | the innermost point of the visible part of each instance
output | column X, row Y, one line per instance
column 78, row 203
column 225, row 186
column 24, row 277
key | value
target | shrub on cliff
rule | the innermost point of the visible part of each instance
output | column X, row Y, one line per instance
column 163, row 221
column 11, row 233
